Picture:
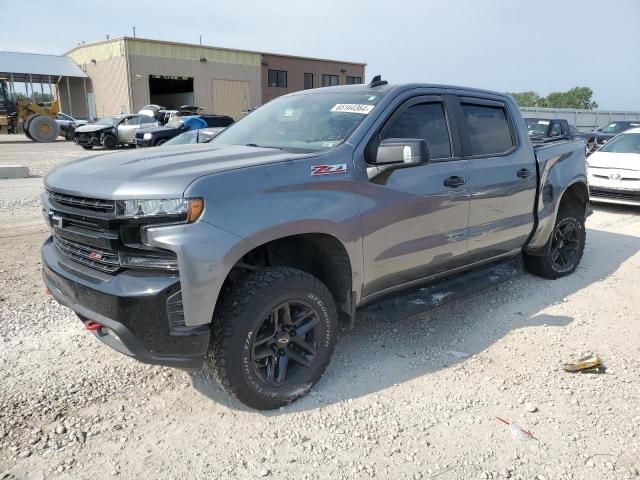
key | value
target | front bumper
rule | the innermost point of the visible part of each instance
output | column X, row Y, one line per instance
column 133, row 307
column 93, row 140
column 616, row 186
column 141, row 142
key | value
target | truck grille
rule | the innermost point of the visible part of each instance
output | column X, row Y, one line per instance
column 103, row 260
column 93, row 204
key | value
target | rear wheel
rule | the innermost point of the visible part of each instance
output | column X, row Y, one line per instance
column 273, row 337
column 25, row 125
column 563, row 251
column 43, row 129
column 109, row 141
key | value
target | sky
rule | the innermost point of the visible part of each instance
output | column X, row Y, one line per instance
column 503, row 45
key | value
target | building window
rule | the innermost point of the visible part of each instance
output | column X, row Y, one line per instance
column 353, row 80
column 308, row 81
column 330, row 80
column 277, row 78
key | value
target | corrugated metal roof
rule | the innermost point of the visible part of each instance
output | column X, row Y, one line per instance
column 36, row 64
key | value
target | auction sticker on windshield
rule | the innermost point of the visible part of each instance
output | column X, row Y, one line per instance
column 352, row 108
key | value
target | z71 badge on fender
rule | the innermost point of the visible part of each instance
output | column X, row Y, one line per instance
column 328, row 169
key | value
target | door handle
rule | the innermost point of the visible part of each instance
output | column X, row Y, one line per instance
column 524, row 173
column 454, row 182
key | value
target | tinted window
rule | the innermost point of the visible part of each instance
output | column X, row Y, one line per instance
column 308, row 81
column 487, row 128
column 426, row 120
column 148, row 120
column 131, row 121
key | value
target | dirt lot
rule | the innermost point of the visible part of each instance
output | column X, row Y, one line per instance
column 394, row 403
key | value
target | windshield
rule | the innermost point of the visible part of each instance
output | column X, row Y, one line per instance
column 108, row 121
column 184, row 138
column 310, row 122
column 536, row 126
column 627, row 143
column 175, row 122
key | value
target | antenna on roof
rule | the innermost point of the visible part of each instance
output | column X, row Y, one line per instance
column 377, row 81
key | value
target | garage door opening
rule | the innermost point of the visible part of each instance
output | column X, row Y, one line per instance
column 171, row 92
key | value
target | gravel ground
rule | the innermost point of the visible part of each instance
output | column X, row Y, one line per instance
column 398, row 400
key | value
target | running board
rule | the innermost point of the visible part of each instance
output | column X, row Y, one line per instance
column 417, row 300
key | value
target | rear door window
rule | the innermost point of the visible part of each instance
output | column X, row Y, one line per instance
column 487, row 128
column 424, row 120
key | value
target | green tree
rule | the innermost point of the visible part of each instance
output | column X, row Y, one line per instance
column 577, row 97
column 526, row 99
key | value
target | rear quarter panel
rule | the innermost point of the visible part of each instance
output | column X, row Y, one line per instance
column 560, row 165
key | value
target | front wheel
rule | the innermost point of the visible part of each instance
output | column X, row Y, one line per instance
column 109, row 141
column 563, row 251
column 273, row 337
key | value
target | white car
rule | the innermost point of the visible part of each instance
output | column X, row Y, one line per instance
column 614, row 170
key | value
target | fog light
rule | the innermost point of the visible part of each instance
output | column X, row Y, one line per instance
column 139, row 261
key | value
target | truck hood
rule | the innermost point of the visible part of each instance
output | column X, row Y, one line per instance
column 621, row 161
column 155, row 173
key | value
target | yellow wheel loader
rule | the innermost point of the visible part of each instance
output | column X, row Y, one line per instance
column 38, row 121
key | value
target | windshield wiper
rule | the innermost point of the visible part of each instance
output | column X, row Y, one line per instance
column 260, row 146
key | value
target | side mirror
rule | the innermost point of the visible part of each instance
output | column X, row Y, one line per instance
column 395, row 153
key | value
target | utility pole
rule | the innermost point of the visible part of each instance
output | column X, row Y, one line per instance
column 200, row 40
column 134, row 32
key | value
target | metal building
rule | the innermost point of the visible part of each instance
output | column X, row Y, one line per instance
column 46, row 74
column 127, row 73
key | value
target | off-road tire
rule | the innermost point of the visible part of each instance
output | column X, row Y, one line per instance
column 109, row 142
column 243, row 309
column 25, row 125
column 43, row 129
column 542, row 264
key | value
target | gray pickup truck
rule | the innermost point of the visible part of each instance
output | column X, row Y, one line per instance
column 242, row 254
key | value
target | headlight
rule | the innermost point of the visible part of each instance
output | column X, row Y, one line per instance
column 187, row 208
column 148, row 136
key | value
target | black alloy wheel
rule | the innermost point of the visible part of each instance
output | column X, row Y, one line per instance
column 286, row 342
column 272, row 336
column 565, row 244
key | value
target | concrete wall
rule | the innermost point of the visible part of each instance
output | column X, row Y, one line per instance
column 584, row 120
column 296, row 68
column 106, row 65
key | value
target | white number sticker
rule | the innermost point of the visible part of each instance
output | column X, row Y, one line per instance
column 352, row 108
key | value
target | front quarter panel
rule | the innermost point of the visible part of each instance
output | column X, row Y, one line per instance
column 267, row 202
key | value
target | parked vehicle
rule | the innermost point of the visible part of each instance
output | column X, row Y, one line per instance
column 201, row 135
column 602, row 135
column 110, row 132
column 549, row 129
column 152, row 137
column 244, row 254
column 215, row 121
column 68, row 124
column 614, row 170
